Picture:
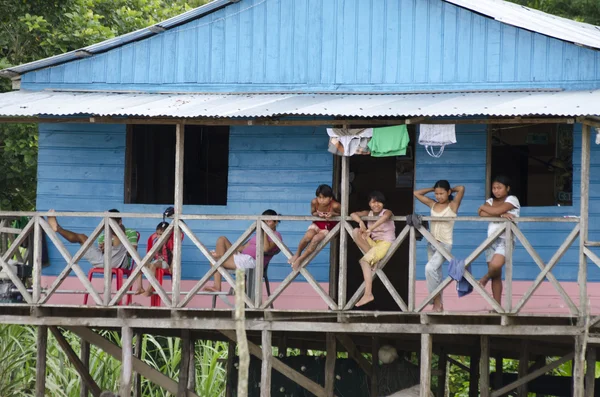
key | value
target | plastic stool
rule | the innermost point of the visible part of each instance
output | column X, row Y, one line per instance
column 115, row 272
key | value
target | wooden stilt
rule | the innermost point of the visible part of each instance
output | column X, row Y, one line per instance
column 442, row 372
column 579, row 367
column 330, row 364
column 425, row 364
column 126, row 361
column 343, row 264
column 499, row 372
column 40, row 364
column 137, row 352
column 590, row 374
column 192, row 367
column 267, row 363
column 178, row 201
column 375, row 367
column 229, row 387
column 474, row 376
column 85, row 359
column 583, row 220
column 484, row 367
column 523, row 368
column 184, row 364
column 282, row 346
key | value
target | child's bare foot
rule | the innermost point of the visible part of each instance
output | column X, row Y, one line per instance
column 365, row 299
column 293, row 259
column 148, row 292
column 438, row 308
column 214, row 288
column 53, row 222
column 139, row 291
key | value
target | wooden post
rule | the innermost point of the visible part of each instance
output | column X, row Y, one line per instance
column 240, row 332
column 579, row 367
column 412, row 270
column 484, row 367
column 343, row 265
column 590, row 374
column 583, row 218
column 37, row 261
column 107, row 262
column 442, row 370
column 375, row 367
column 137, row 352
column 425, row 364
column 523, row 368
column 40, row 364
column 192, row 367
column 85, row 359
column 267, row 363
column 330, row 364
column 334, row 247
column 260, row 260
column 474, row 376
column 184, row 364
column 498, row 383
column 509, row 267
column 126, row 361
column 229, row 369
column 178, row 204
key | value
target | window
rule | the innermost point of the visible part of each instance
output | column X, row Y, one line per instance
column 538, row 159
column 150, row 165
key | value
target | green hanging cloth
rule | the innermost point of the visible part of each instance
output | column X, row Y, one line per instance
column 389, row 141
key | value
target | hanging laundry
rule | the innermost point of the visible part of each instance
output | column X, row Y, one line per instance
column 456, row 270
column 438, row 136
column 348, row 142
column 389, row 141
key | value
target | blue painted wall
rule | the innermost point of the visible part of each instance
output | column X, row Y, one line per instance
column 81, row 167
column 344, row 45
column 464, row 164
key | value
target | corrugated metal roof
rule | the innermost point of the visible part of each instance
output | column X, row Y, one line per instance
column 52, row 103
column 119, row 41
column 503, row 11
column 534, row 20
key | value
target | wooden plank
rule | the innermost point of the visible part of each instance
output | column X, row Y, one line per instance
column 523, row 368
column 282, row 368
column 425, row 365
column 508, row 266
column 584, row 217
column 144, row 369
column 343, row 264
column 380, row 265
column 484, row 367
column 184, row 364
column 355, row 354
column 459, row 364
column 40, row 363
column 217, row 266
column 79, row 367
column 229, row 368
column 590, row 372
column 375, row 366
column 260, row 260
column 532, row 375
column 330, row 364
column 126, row 361
column 562, row 250
column 85, row 359
column 265, row 371
column 108, row 248
column 37, row 261
column 412, row 270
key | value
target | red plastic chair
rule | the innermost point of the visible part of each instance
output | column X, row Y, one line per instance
column 119, row 273
column 160, row 275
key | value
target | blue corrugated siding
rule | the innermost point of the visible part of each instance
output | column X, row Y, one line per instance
column 354, row 45
column 464, row 164
column 81, row 167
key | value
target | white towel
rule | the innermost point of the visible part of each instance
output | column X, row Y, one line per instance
column 436, row 135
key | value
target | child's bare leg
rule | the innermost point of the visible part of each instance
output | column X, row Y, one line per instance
column 437, row 304
column 152, row 267
column 360, row 240
column 216, row 287
column 368, row 275
column 494, row 268
column 68, row 235
column 317, row 238
column 140, row 289
column 308, row 236
column 497, row 289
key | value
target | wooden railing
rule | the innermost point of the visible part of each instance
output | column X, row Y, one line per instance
column 13, row 238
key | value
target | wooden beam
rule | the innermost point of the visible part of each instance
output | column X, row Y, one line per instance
column 459, row 364
column 108, row 248
column 508, row 268
column 523, row 368
column 590, row 372
column 85, row 359
column 330, row 364
column 178, row 204
column 40, row 363
column 267, row 363
column 282, row 368
column 115, row 351
column 532, row 375
column 484, row 367
column 37, row 261
column 579, row 366
column 412, row 270
column 184, row 364
column 355, row 354
column 259, row 260
column 343, row 264
column 584, row 217
column 79, row 367
column 425, row 365
column 126, row 361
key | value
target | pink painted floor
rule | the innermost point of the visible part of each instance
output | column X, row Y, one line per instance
column 301, row 296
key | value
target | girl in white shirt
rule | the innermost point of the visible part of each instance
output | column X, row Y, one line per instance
column 502, row 205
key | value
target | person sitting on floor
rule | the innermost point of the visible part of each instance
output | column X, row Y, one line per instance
column 95, row 254
column 245, row 257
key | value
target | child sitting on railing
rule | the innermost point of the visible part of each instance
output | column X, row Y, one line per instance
column 375, row 239
column 245, row 256
column 504, row 206
column 446, row 206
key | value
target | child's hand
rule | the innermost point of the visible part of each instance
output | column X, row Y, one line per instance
column 322, row 214
column 362, row 227
column 507, row 216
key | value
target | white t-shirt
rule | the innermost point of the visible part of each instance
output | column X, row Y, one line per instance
column 494, row 226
